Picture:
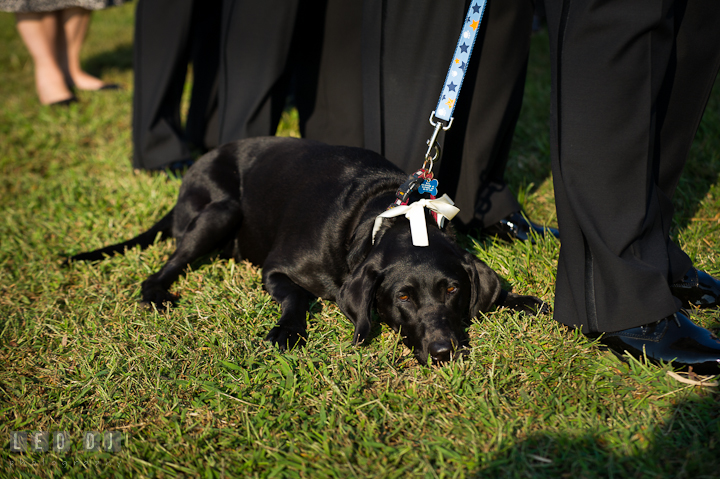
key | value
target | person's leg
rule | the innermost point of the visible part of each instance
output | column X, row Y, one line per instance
column 329, row 78
column 610, row 63
column 201, row 128
column 254, row 53
column 75, row 22
column 39, row 33
column 406, row 53
column 685, row 91
column 161, row 56
column 615, row 144
column 478, row 145
column 405, row 59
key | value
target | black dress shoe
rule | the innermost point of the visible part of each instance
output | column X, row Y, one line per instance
column 517, row 227
column 674, row 339
column 697, row 288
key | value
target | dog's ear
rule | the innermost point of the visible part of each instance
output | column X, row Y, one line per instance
column 361, row 241
column 485, row 283
column 357, row 298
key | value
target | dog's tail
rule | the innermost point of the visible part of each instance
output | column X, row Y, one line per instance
column 164, row 227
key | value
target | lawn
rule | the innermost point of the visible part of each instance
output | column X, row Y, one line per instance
column 197, row 392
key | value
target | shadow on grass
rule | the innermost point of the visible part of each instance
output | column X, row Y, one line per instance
column 119, row 59
column 685, row 444
column 699, row 177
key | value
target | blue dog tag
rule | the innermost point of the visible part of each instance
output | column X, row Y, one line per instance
column 429, row 186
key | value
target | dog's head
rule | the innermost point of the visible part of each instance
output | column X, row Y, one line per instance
column 427, row 294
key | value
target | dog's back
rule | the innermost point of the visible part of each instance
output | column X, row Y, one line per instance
column 296, row 201
column 307, row 197
column 304, row 211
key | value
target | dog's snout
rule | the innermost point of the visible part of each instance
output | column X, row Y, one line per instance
column 441, row 351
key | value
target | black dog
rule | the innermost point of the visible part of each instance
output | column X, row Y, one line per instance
column 304, row 212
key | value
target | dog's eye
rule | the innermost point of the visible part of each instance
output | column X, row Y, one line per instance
column 404, row 297
column 452, row 289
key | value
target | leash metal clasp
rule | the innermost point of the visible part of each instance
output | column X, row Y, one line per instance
column 432, row 142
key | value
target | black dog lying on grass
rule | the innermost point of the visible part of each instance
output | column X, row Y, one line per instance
column 305, row 212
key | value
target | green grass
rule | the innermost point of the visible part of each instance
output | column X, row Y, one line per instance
column 197, row 392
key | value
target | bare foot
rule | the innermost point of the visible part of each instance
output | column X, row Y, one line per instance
column 39, row 32
column 50, row 85
column 85, row 81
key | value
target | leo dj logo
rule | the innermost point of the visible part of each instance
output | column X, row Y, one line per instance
column 43, row 441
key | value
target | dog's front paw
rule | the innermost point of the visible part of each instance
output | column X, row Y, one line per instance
column 160, row 298
column 525, row 304
column 285, row 338
column 537, row 306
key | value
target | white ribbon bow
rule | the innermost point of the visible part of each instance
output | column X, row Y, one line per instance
column 443, row 206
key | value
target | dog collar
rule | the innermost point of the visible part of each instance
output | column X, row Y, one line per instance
column 415, row 213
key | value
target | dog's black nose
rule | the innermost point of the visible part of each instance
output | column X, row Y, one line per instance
column 440, row 351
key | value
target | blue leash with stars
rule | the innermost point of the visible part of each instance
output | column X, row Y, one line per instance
column 454, row 79
column 420, row 190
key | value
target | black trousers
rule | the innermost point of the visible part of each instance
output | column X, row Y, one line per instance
column 328, row 71
column 631, row 79
column 170, row 34
column 382, row 77
column 257, row 56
